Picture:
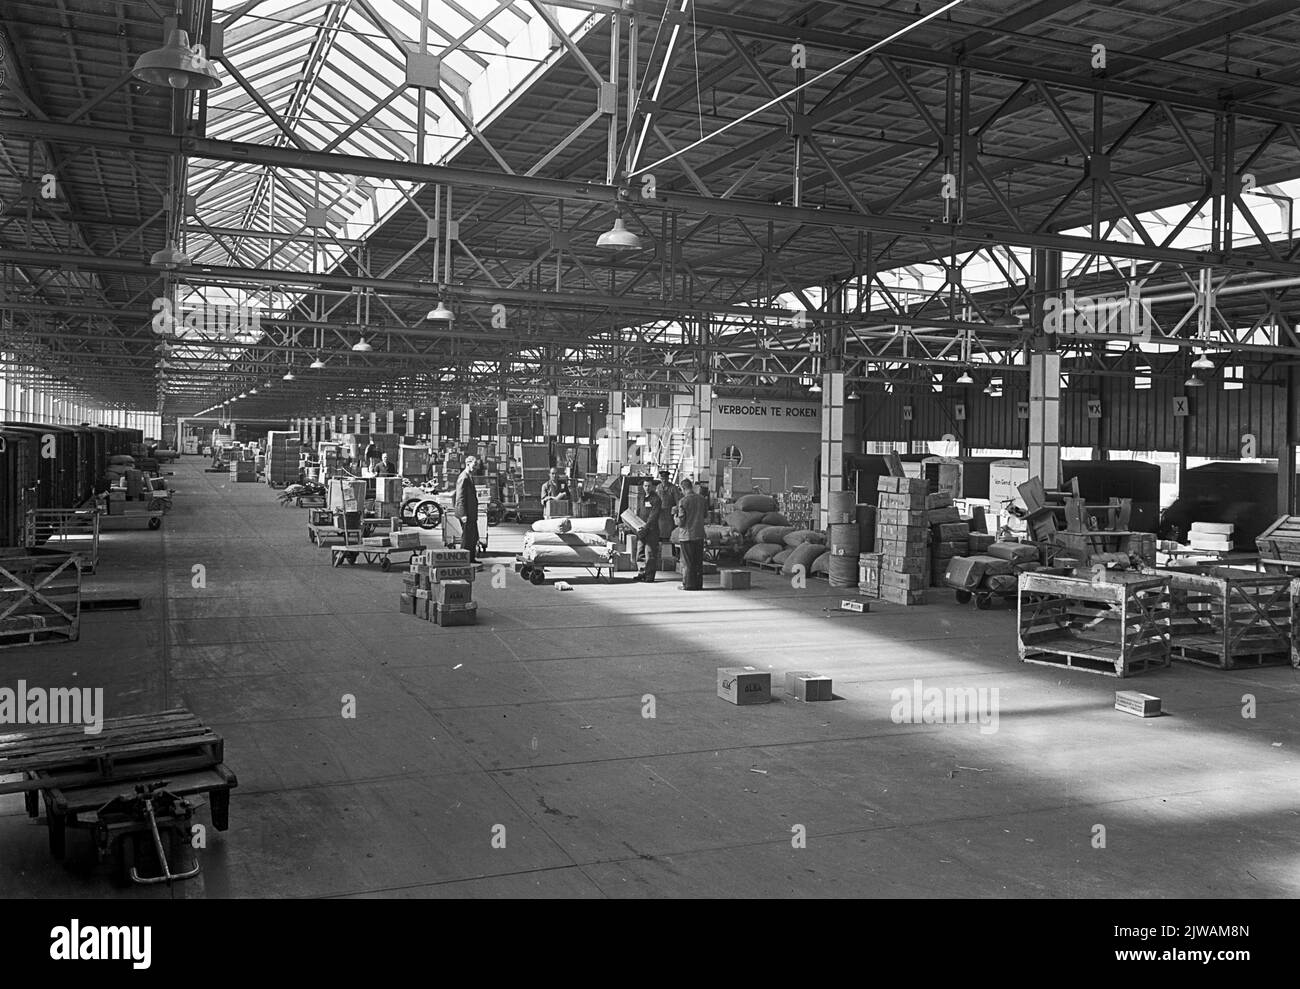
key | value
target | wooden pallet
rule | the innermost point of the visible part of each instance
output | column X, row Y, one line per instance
column 1229, row 618
column 1117, row 627
column 40, row 597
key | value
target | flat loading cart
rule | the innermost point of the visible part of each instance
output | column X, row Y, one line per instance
column 383, row 555
column 127, row 786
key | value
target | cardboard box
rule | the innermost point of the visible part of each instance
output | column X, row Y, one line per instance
column 1133, row 702
column 940, row 500
column 903, row 581
column 957, row 531
column 896, row 596
column 407, row 604
column 899, row 516
column 734, row 580
column 422, row 608
column 450, row 617
column 743, row 686
column 944, row 516
column 376, row 541
column 406, row 539
column 909, row 501
column 907, row 485
column 438, row 575
column 389, row 488
column 421, row 593
column 803, row 685
column 632, row 520
column 857, row 607
column 445, row 556
column 622, row 562
column 453, row 592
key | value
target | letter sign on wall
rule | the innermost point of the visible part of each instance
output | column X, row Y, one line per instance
column 1094, row 408
column 959, row 412
column 1180, row 405
column 1022, row 410
column 907, row 413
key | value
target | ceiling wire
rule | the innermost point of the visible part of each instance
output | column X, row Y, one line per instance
column 699, row 99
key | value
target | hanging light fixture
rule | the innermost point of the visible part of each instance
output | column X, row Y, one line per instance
column 440, row 312
column 965, row 379
column 1203, row 363
column 317, row 364
column 815, row 388
column 362, row 347
column 853, row 395
column 288, row 375
column 619, row 237
column 169, row 257
column 1193, row 382
column 176, row 65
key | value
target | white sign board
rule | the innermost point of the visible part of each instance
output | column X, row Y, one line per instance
column 771, row 417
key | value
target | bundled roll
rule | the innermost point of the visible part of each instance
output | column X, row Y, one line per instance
column 842, row 571
column 564, row 539
column 775, row 518
column 566, row 556
column 842, row 506
column 1015, row 552
column 844, row 539
column 601, row 526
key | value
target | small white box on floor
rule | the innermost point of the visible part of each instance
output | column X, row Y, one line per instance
column 742, row 686
column 735, row 580
column 1133, row 702
column 805, row 685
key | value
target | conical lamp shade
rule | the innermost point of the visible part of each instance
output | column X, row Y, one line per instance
column 965, row 379
column 169, row 257
column 175, row 65
column 361, row 346
column 317, row 364
column 441, row 312
column 1203, row 363
column 619, row 238
column 1193, row 382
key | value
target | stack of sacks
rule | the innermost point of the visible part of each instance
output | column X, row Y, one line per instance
column 803, row 555
column 756, row 503
column 981, row 541
column 949, row 535
column 1214, row 537
column 570, row 542
column 743, row 522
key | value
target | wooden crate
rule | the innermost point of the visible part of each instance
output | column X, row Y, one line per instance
column 1117, row 627
column 1229, row 618
column 40, row 597
column 1280, row 541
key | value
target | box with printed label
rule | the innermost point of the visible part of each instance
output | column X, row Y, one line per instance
column 437, row 575
column 449, row 616
column 446, row 556
column 453, row 592
column 742, row 686
column 912, row 502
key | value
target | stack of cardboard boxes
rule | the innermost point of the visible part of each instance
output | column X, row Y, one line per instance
column 283, row 456
column 902, row 540
column 439, row 588
column 949, row 535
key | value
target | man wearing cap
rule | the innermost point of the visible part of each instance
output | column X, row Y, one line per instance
column 651, row 511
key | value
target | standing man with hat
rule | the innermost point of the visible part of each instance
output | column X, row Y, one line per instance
column 691, row 512
column 466, row 508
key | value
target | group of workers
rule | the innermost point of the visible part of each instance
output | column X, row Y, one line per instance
column 662, row 506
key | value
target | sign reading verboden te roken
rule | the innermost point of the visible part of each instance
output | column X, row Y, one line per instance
column 774, row 417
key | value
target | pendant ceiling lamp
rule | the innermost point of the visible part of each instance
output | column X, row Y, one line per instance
column 177, row 65
column 619, row 237
column 317, row 364
column 1203, row 363
column 361, row 346
column 965, row 379
column 1193, row 382
column 169, row 257
column 441, row 312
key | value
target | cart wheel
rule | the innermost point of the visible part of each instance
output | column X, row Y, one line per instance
column 155, row 523
column 495, row 518
column 385, row 564
column 407, row 512
column 984, row 602
column 526, row 571
column 427, row 515
column 537, row 577
column 963, row 597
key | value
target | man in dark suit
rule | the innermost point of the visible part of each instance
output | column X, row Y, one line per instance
column 651, row 506
column 466, row 508
column 691, row 511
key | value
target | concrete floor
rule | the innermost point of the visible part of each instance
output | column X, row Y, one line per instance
column 532, row 721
